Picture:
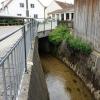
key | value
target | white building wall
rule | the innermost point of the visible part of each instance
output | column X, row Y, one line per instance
column 14, row 8
column 38, row 9
column 52, row 7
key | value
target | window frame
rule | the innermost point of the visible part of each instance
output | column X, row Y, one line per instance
column 21, row 5
column 32, row 5
column 35, row 15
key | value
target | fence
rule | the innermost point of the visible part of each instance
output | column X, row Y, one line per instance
column 47, row 24
column 13, row 63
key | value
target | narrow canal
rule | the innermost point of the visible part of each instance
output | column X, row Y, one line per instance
column 62, row 82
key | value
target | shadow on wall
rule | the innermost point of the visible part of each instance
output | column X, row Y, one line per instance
column 38, row 89
column 44, row 45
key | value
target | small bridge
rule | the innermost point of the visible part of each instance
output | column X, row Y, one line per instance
column 18, row 56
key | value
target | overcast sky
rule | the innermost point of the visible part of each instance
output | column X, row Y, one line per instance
column 47, row 2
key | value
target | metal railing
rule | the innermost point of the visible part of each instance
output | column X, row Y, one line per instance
column 46, row 25
column 14, row 63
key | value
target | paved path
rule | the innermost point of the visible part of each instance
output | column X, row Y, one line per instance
column 6, row 44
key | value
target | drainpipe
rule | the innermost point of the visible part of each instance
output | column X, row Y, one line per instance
column 44, row 18
column 27, row 11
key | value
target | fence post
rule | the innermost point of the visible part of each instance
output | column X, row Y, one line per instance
column 4, row 82
column 51, row 25
column 24, row 35
column 30, row 33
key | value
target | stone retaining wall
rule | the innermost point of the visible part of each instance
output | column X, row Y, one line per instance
column 88, row 70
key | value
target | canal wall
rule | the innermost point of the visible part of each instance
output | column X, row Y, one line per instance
column 87, row 68
column 33, row 85
column 44, row 45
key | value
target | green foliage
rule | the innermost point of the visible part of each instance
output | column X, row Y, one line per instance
column 11, row 21
column 76, row 44
column 59, row 34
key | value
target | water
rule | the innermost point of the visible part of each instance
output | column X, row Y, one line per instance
column 62, row 82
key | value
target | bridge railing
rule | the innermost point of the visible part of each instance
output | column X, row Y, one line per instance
column 14, row 63
column 46, row 25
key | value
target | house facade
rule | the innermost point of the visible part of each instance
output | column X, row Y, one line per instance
column 18, row 8
column 60, row 11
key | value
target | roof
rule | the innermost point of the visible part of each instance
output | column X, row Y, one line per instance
column 62, row 11
column 64, row 5
column 6, row 4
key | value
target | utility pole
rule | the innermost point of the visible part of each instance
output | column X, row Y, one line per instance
column 44, row 18
column 27, row 11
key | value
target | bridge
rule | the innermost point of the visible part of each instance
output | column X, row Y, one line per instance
column 20, row 68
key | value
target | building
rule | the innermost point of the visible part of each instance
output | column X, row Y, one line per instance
column 18, row 8
column 87, row 21
column 60, row 10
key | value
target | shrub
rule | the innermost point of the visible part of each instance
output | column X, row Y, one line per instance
column 76, row 44
column 59, row 34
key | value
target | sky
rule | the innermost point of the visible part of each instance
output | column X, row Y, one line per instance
column 47, row 2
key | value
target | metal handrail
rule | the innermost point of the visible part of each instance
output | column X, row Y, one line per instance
column 10, row 34
column 16, row 58
column 13, row 32
column 17, row 29
column 9, row 52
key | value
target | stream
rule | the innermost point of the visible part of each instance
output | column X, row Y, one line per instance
column 62, row 82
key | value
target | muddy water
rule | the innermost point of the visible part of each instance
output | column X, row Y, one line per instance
column 62, row 82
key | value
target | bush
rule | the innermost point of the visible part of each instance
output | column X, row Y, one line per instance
column 11, row 21
column 59, row 34
column 76, row 44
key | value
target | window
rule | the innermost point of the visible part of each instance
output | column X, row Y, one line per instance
column 62, row 16
column 32, row 5
column 67, row 15
column 19, row 14
column 57, row 16
column 53, row 15
column 22, row 5
column 35, row 15
column 72, row 15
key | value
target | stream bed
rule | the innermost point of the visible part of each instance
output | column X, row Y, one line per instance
column 62, row 82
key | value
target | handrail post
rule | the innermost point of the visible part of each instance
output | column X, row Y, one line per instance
column 24, row 34
column 31, row 33
column 51, row 25
column 4, row 82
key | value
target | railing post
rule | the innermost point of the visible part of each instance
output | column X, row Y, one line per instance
column 24, row 34
column 4, row 82
column 51, row 25
column 31, row 33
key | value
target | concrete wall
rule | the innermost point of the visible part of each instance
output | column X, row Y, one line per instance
column 38, row 88
column 87, row 21
column 33, row 84
column 87, row 68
